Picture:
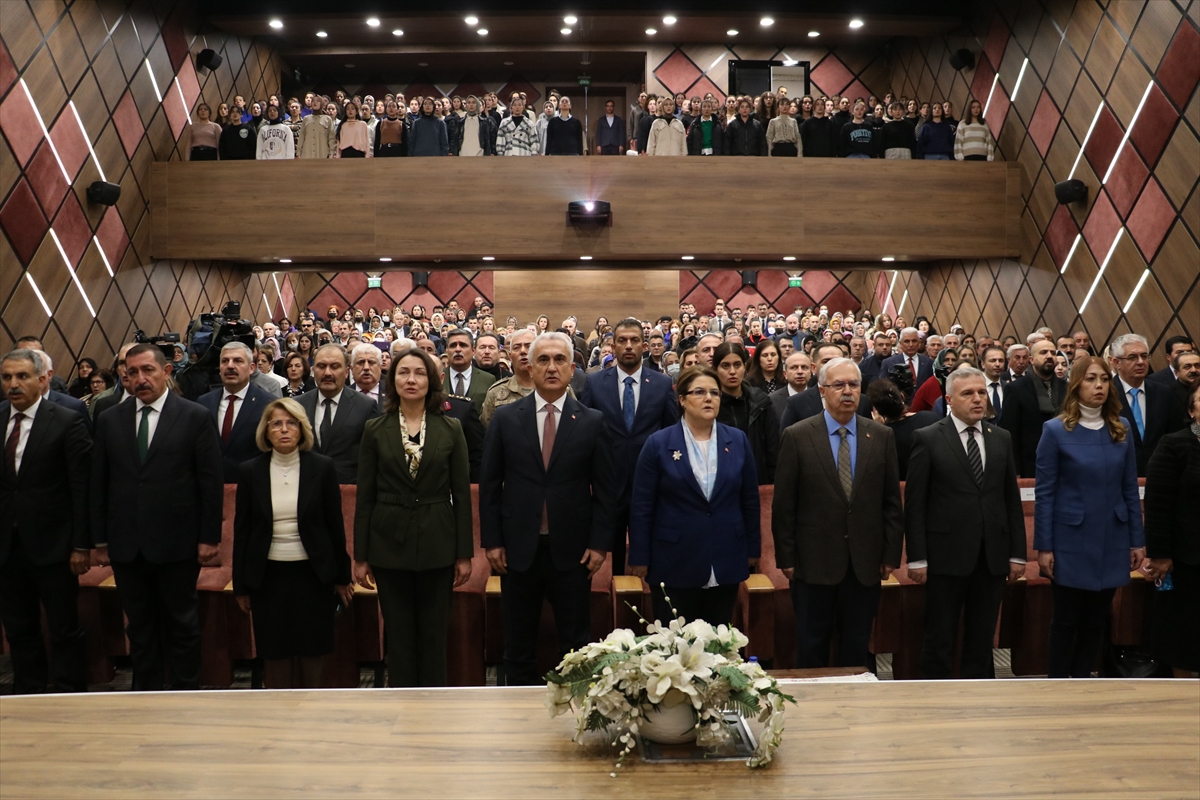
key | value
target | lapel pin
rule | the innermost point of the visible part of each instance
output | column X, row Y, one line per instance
column 572, row 416
column 676, row 455
column 868, row 436
column 726, row 449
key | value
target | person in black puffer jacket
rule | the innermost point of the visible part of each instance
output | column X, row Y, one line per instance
column 745, row 135
column 748, row 409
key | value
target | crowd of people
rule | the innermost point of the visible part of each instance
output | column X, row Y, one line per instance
column 771, row 124
column 640, row 441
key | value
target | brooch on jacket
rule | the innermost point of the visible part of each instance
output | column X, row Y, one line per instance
column 676, row 455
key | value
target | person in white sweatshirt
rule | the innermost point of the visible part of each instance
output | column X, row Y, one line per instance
column 275, row 140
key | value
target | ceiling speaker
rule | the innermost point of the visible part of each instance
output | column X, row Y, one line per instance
column 749, row 277
column 1073, row 191
column 420, row 279
column 962, row 59
column 208, row 59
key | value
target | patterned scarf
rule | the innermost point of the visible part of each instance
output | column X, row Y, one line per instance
column 412, row 449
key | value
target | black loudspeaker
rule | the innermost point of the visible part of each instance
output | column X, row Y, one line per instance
column 1073, row 191
column 962, row 59
column 420, row 279
column 106, row 194
column 208, row 59
column 749, row 277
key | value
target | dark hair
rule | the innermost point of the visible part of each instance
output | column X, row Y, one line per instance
column 104, row 375
column 434, row 397
column 630, row 322
column 725, row 349
column 145, row 347
column 689, row 376
column 489, row 335
column 1174, row 340
column 460, row 332
column 816, row 351
column 287, row 362
column 887, row 399
column 756, row 360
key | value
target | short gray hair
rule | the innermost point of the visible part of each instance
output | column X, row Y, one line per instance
column 962, row 372
column 35, row 357
column 1036, row 336
column 909, row 331
column 47, row 363
column 364, row 348
column 551, row 336
column 400, row 343
column 834, row 363
column 929, row 339
column 239, row 346
column 1117, row 347
column 1013, row 349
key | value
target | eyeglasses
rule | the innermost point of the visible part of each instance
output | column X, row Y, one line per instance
column 280, row 424
column 1134, row 358
column 702, row 393
column 841, row 386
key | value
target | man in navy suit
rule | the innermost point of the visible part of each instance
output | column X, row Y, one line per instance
column 871, row 366
column 1145, row 405
column 636, row 402
column 1175, row 347
column 920, row 366
column 610, row 132
column 237, row 408
column 545, row 508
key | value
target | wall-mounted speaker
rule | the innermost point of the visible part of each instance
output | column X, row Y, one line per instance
column 105, row 194
column 749, row 277
column 420, row 279
column 1072, row 191
column 962, row 59
column 208, row 59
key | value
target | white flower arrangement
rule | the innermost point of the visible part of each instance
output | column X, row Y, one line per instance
column 611, row 684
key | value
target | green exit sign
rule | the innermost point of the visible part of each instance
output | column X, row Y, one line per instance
column 584, row 80
column 795, row 281
column 374, row 283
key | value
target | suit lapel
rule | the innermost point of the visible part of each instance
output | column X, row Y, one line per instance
column 250, row 413
column 566, row 425
column 866, row 445
column 820, row 441
column 530, row 423
column 683, row 464
column 37, row 431
column 725, row 470
column 393, row 438
column 262, row 486
column 306, row 489
column 639, row 416
column 433, row 434
column 992, row 458
column 166, row 419
column 950, row 432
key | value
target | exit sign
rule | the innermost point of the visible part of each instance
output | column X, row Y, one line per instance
column 584, row 80
column 795, row 281
column 374, row 283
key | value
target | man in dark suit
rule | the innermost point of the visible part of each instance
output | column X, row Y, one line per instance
column 366, row 370
column 797, row 371
column 1029, row 402
column 463, row 410
column 1145, row 406
column 837, row 520
column 546, row 499
column 636, row 402
column 964, row 527
column 1187, row 368
column 809, row 402
column 993, row 363
column 336, row 412
column 57, row 384
column 1175, row 346
column 1019, row 356
column 44, row 541
column 110, row 397
column 236, row 408
column 156, row 499
column 610, row 132
column 872, row 365
column 60, row 398
column 920, row 366
column 463, row 378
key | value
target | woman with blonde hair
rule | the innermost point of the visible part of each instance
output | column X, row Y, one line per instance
column 290, row 565
column 1088, row 516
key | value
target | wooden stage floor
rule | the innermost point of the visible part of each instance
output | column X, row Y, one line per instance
column 1003, row 739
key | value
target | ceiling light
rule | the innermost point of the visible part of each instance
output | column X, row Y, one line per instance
column 508, row 63
column 856, row 23
column 585, row 258
column 489, row 258
column 276, row 23
column 482, row 31
column 566, row 31
column 373, row 22
column 650, row 31
column 766, row 22
column 285, row 261
column 472, row 20
column 422, row 63
column 321, row 34
column 397, row 32
column 813, row 34
column 385, row 259
column 349, row 66
column 731, row 32
column 687, row 258
column 789, row 258
column 570, row 20
column 668, row 20
column 889, row 258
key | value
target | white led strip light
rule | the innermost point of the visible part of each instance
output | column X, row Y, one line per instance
column 1128, row 131
column 38, row 292
column 1083, row 146
column 1103, row 267
column 1136, row 289
column 71, row 271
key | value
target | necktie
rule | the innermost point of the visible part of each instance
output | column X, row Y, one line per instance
column 996, row 398
column 326, row 421
column 227, row 424
column 912, row 365
column 547, row 448
column 460, row 388
column 10, row 446
column 144, row 434
column 844, row 472
column 628, row 405
column 1136, row 409
column 974, row 456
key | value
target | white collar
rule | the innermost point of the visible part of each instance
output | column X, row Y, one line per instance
column 337, row 398
column 792, row 391
column 240, row 395
column 636, row 375
column 29, row 413
column 466, row 373
column 157, row 405
column 961, row 426
column 558, row 404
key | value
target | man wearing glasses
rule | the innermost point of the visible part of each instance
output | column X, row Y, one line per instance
column 837, row 520
column 1145, row 405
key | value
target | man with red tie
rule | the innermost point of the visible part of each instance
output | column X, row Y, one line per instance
column 366, row 365
column 237, row 408
column 920, row 366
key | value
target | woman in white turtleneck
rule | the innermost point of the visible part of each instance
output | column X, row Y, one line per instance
column 1087, row 517
column 290, row 564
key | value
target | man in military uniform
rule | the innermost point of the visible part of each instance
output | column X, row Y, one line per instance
column 501, row 393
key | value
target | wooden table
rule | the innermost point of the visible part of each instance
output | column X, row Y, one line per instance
column 917, row 739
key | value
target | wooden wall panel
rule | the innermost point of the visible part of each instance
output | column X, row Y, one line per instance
column 586, row 293
column 516, row 209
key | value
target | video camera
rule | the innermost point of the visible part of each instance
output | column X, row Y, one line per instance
column 206, row 336
column 165, row 342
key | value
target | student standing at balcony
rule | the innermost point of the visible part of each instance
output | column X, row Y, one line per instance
column 783, row 134
column 239, row 140
column 353, row 136
column 391, row 134
column 477, row 136
column 897, row 139
column 564, row 133
column 317, row 135
column 745, row 136
column 667, row 136
column 857, row 135
column 819, row 134
column 275, row 138
column 706, row 136
column 202, row 138
column 427, row 135
column 517, row 135
column 645, row 123
column 973, row 140
column 936, row 141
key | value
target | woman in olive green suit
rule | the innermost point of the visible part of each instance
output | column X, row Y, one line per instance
column 412, row 522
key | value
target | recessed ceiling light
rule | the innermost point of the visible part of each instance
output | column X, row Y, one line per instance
column 570, row 20
column 397, row 32
column 585, row 258
column 813, row 34
column 650, row 31
column 508, row 63
column 373, row 22
column 482, row 31
column 422, row 63
column 566, row 31
column 731, row 32
column 489, row 258
column 472, row 20
column 687, row 258
column 321, row 34
column 789, row 258
column 349, row 66
column 668, row 20
column 888, row 258
column 766, row 22
column 276, row 23
column 385, row 259
column 285, row 261
column 856, row 23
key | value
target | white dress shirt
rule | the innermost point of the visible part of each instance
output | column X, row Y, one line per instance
column 541, row 415
column 224, row 404
column 466, row 376
column 320, row 415
column 997, row 385
column 26, row 426
column 792, row 391
column 373, row 393
column 152, row 420
column 637, row 387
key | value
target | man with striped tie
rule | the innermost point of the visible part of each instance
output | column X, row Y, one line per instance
column 964, row 527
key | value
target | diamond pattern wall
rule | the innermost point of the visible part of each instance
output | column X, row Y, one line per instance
column 319, row 290
column 1116, row 79
column 841, row 291
column 80, row 86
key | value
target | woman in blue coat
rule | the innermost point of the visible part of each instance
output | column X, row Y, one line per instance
column 1088, row 517
column 694, row 524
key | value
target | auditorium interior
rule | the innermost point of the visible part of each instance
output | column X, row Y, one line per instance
column 1083, row 219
